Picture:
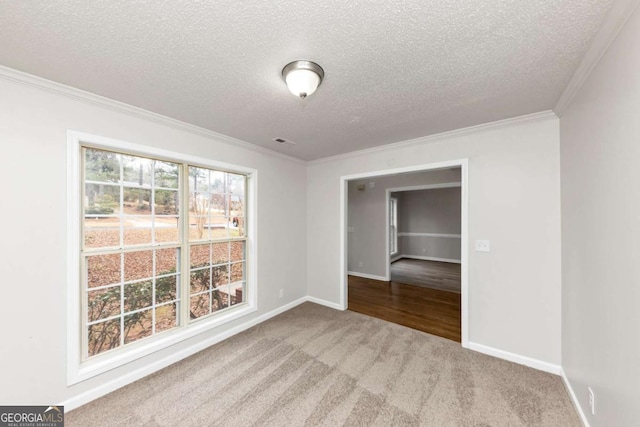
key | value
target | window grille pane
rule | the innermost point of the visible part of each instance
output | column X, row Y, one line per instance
column 166, row 317
column 198, row 180
column 101, row 234
column 136, row 201
column 217, row 182
column 219, row 226
column 137, row 235
column 103, row 270
column 138, row 295
column 138, row 325
column 103, row 336
column 200, row 305
column 237, row 293
column 166, row 230
column 237, row 251
column 103, row 303
column 236, row 205
column 218, row 205
column 220, row 276
column 237, row 272
column 166, row 202
column 220, row 253
column 200, row 255
column 101, row 166
column 200, row 280
column 167, row 261
column 138, row 265
column 166, row 289
column 219, row 299
column 198, row 227
column 236, row 184
column 101, row 200
column 237, row 226
column 166, row 174
column 137, row 171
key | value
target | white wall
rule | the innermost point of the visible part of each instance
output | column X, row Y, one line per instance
column 600, row 152
column 367, row 216
column 33, row 136
column 514, row 200
column 434, row 211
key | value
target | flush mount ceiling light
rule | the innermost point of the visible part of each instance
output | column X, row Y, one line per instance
column 302, row 77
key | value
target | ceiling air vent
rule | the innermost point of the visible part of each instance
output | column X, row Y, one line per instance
column 283, row 141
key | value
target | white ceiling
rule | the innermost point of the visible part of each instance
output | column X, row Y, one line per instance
column 395, row 69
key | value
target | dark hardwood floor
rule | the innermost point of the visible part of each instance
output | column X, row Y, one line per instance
column 431, row 274
column 429, row 310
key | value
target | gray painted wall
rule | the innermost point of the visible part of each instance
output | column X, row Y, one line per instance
column 600, row 152
column 367, row 217
column 514, row 201
column 433, row 211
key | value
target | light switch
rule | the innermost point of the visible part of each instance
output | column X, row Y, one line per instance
column 483, row 246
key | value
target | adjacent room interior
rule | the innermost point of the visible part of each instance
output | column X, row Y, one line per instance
column 404, row 249
column 180, row 246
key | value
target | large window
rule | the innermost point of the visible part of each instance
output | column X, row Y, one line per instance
column 162, row 245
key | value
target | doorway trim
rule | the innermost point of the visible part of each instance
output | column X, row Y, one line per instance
column 464, row 242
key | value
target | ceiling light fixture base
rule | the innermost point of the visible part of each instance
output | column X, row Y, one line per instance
column 302, row 77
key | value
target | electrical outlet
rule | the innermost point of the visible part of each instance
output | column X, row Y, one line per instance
column 424, row 250
column 281, row 293
column 592, row 401
column 360, row 264
column 483, row 246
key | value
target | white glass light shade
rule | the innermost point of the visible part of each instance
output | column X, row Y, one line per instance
column 302, row 77
column 302, row 82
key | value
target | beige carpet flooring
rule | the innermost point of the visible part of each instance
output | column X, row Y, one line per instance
column 314, row 366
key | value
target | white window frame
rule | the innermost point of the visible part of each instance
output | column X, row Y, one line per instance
column 393, row 225
column 79, row 370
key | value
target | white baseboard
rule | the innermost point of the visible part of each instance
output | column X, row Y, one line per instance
column 367, row 276
column 574, row 399
column 395, row 258
column 108, row 387
column 430, row 258
column 516, row 358
column 326, row 303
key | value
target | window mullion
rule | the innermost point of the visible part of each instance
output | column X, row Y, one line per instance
column 185, row 253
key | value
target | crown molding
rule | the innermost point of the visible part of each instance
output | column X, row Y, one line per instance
column 615, row 20
column 49, row 86
column 25, row 79
column 514, row 121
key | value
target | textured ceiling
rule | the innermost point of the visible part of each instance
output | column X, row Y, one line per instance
column 395, row 69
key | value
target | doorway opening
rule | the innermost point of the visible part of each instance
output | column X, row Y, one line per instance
column 404, row 247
